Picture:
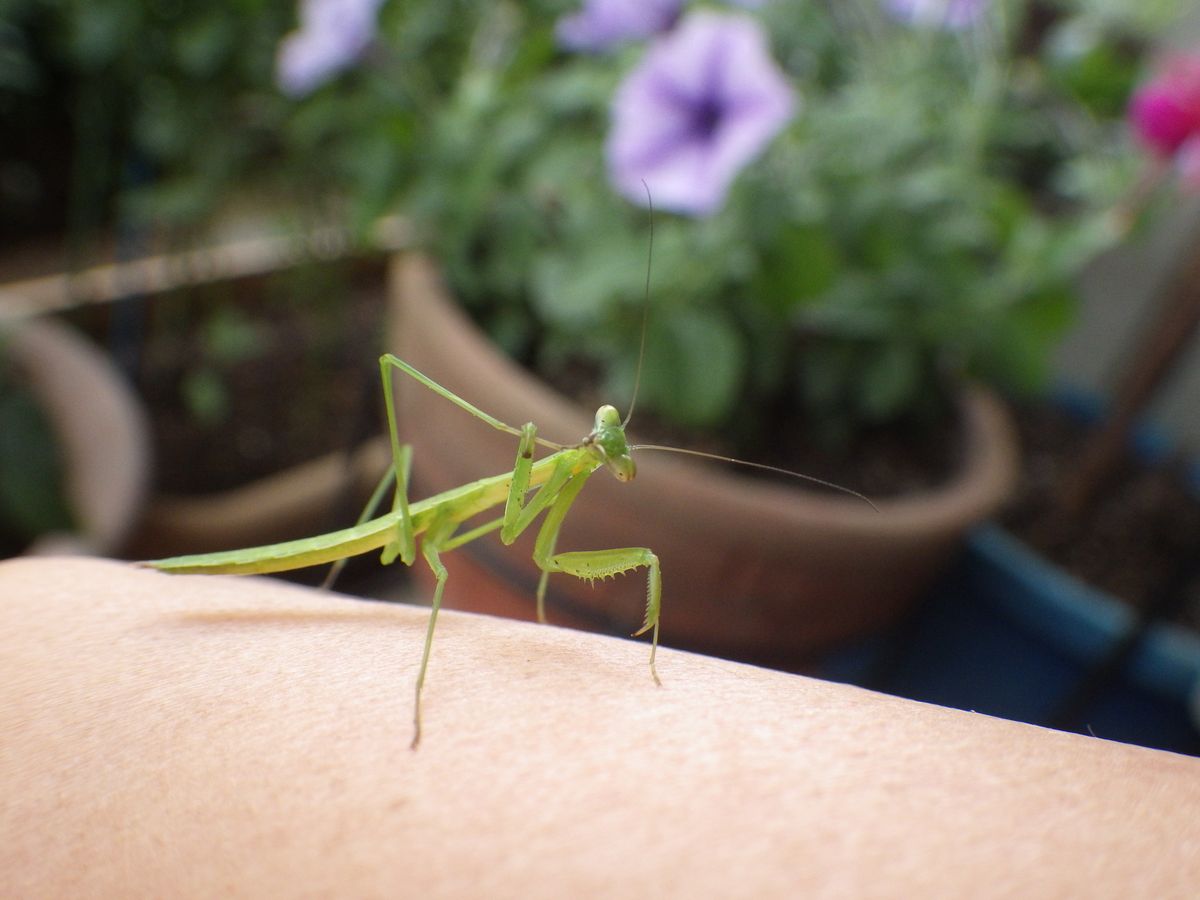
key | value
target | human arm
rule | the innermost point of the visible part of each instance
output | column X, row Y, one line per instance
column 189, row 735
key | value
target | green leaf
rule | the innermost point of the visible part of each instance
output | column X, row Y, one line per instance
column 32, row 498
column 231, row 336
column 207, row 396
column 576, row 289
column 202, row 46
column 888, row 381
column 1019, row 346
column 694, row 368
column 802, row 263
column 1100, row 75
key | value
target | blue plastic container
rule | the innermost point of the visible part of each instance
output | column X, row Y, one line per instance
column 1008, row 633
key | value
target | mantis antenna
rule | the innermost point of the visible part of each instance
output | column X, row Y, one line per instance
column 637, row 382
column 637, row 377
column 753, row 465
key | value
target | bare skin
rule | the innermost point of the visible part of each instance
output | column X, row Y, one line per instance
column 199, row 736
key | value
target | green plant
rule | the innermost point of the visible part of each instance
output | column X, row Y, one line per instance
column 32, row 497
column 912, row 211
column 919, row 218
column 100, row 99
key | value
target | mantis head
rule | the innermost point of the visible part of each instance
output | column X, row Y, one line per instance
column 607, row 441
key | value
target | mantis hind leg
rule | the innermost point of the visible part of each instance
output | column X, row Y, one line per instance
column 368, row 511
column 403, row 543
column 388, row 362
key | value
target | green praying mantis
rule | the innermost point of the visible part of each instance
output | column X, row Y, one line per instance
column 554, row 480
column 557, row 478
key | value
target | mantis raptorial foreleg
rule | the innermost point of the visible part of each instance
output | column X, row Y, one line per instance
column 518, row 515
column 518, row 512
column 543, row 548
column 592, row 564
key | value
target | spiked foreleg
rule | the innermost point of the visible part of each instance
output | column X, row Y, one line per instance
column 368, row 512
column 593, row 564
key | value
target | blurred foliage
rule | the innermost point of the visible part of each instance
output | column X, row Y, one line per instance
column 32, row 496
column 921, row 220
column 99, row 98
column 227, row 336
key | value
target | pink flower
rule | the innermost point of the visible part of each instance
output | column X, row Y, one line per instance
column 1165, row 112
column 704, row 101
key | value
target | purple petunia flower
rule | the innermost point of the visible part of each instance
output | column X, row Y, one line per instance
column 604, row 24
column 953, row 15
column 704, row 101
column 332, row 35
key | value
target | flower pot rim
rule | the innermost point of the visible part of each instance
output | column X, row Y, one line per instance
column 771, row 571
column 101, row 428
column 983, row 479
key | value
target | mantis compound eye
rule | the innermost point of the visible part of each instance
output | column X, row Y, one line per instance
column 622, row 467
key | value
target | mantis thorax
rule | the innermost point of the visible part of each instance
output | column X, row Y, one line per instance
column 607, row 441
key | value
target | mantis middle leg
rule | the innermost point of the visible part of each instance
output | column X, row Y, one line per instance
column 441, row 537
column 404, row 545
column 431, row 546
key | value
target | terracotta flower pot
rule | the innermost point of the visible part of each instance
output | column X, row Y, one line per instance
column 290, row 504
column 751, row 569
column 101, row 429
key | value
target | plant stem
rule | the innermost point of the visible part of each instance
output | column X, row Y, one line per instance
column 1152, row 361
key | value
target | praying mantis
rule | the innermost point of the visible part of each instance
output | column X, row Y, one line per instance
column 557, row 478
column 554, row 480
